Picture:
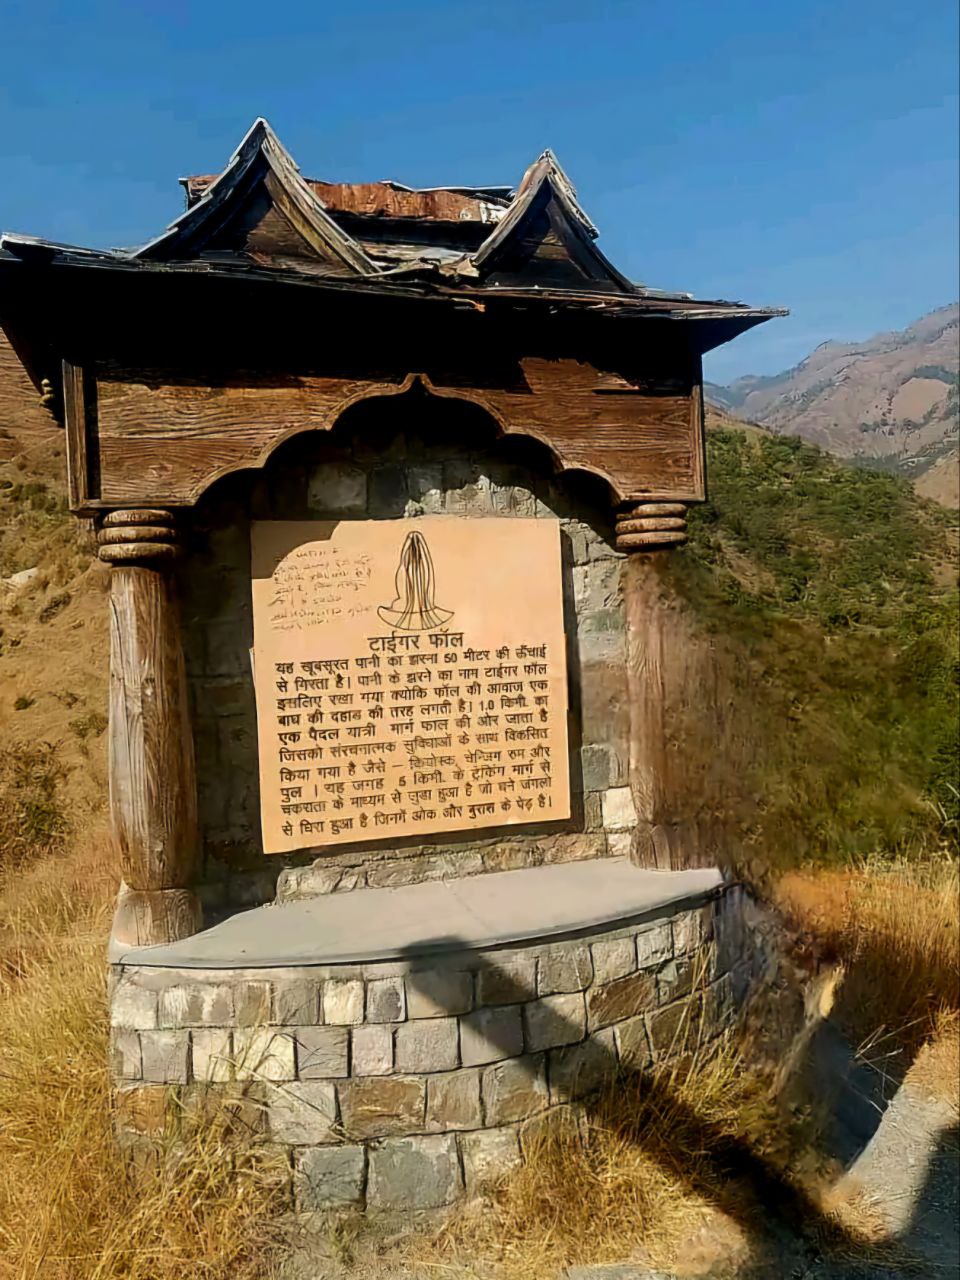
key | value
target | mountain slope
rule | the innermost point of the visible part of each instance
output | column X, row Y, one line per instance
column 53, row 636
column 829, row 592
column 890, row 402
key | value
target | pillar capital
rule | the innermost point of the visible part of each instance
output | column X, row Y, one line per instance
column 650, row 526
column 145, row 535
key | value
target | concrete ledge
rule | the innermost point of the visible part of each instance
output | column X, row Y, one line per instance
column 478, row 912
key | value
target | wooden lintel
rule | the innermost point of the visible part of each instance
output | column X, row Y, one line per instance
column 163, row 442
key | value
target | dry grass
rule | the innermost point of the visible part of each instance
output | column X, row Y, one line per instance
column 896, row 930
column 52, row 908
column 936, row 1068
column 32, row 821
column 69, row 1207
column 634, row 1175
column 659, row 1160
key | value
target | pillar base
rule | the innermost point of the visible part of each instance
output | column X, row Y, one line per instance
column 673, row 846
column 152, row 917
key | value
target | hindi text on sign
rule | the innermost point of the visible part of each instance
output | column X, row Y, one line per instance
column 410, row 678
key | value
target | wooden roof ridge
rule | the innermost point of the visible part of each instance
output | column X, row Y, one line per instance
column 389, row 199
column 543, row 177
column 259, row 155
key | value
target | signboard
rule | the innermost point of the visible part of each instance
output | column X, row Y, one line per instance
column 410, row 677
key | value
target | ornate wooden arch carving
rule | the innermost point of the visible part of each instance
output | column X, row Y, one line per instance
column 504, row 426
column 139, row 439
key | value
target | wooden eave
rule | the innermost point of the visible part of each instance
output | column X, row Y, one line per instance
column 31, row 253
column 28, row 265
column 542, row 181
column 260, row 158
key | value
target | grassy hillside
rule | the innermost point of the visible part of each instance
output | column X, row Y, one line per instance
column 53, row 663
column 831, row 592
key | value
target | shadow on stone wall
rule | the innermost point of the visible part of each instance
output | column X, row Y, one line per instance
column 784, row 1225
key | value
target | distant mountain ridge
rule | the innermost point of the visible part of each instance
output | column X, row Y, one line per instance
column 891, row 402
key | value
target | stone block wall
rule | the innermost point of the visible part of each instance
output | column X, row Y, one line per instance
column 410, row 457
column 407, row 1084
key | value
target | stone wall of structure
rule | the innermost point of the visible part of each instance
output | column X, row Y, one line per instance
column 405, row 1084
column 399, row 458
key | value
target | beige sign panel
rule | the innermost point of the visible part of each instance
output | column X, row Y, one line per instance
column 410, row 677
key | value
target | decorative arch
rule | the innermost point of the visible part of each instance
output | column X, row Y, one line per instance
column 330, row 416
column 500, row 420
column 164, row 443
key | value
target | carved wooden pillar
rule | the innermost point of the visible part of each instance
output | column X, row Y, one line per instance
column 647, row 531
column 153, row 795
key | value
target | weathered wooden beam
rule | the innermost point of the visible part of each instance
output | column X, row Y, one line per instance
column 150, row 917
column 665, row 838
column 153, row 801
column 75, row 420
column 164, row 442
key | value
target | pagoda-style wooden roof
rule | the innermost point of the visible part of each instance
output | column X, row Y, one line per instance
column 274, row 303
column 261, row 218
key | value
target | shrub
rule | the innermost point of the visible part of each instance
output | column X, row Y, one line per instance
column 818, row 581
column 32, row 821
column 91, row 725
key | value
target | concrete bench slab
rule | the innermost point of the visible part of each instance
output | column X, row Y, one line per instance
column 497, row 909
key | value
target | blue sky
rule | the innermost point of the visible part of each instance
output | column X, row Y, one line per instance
column 795, row 153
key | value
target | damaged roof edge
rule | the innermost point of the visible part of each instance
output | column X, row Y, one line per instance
column 389, row 200
column 31, row 250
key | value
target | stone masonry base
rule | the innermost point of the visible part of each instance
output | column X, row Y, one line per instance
column 407, row 1084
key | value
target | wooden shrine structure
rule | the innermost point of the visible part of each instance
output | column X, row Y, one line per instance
column 268, row 309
